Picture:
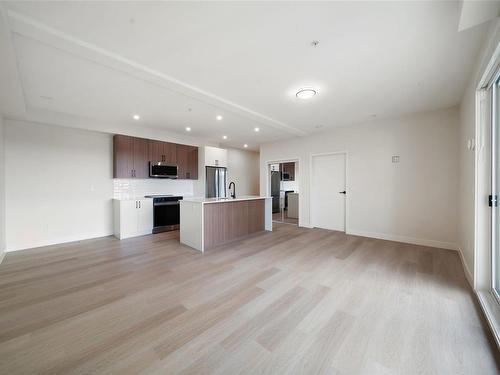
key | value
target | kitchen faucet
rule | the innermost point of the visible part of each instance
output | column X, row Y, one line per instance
column 233, row 194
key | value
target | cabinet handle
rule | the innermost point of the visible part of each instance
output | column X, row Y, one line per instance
column 136, row 204
column 139, row 204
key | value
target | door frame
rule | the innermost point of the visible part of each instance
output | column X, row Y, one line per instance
column 347, row 196
column 268, row 178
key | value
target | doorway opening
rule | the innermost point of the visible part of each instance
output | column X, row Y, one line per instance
column 328, row 191
column 284, row 189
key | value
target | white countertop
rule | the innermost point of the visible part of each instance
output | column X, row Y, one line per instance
column 142, row 197
column 223, row 200
column 131, row 198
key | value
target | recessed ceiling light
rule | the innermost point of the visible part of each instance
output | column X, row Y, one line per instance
column 256, row 129
column 136, row 117
column 219, row 117
column 305, row 93
column 245, row 145
column 224, row 137
column 188, row 129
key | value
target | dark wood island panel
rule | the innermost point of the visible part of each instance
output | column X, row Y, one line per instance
column 228, row 221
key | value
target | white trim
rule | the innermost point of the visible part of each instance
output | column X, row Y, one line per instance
column 491, row 311
column 59, row 242
column 468, row 273
column 268, row 177
column 405, row 239
column 490, row 71
column 346, row 212
column 482, row 252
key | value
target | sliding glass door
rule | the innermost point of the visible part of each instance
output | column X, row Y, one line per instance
column 495, row 189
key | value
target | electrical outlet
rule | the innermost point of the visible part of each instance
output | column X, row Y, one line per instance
column 395, row 159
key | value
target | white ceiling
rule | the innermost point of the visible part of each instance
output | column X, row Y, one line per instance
column 243, row 60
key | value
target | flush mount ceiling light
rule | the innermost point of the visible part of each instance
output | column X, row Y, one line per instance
column 256, row 129
column 219, row 117
column 136, row 117
column 245, row 145
column 305, row 93
column 224, row 137
column 188, row 129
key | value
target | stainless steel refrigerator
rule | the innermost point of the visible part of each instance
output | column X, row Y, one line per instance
column 215, row 182
column 275, row 190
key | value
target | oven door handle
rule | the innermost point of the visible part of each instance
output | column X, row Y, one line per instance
column 166, row 204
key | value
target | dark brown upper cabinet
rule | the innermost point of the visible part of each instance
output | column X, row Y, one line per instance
column 187, row 162
column 131, row 157
column 123, row 165
column 182, row 161
column 163, row 151
column 192, row 164
column 141, row 159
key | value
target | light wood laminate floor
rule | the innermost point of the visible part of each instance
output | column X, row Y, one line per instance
column 283, row 218
column 302, row 301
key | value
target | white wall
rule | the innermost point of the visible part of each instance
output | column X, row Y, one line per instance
column 467, row 157
column 413, row 201
column 243, row 169
column 59, row 185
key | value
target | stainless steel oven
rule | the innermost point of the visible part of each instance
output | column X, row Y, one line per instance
column 166, row 212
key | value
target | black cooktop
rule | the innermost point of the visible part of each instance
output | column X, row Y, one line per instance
column 163, row 198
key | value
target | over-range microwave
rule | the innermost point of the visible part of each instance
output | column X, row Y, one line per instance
column 158, row 169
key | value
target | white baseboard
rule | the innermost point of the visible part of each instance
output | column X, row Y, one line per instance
column 468, row 273
column 410, row 240
column 492, row 313
column 59, row 241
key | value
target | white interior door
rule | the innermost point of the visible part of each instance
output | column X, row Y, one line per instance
column 327, row 201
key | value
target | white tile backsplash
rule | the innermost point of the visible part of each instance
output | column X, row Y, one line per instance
column 134, row 188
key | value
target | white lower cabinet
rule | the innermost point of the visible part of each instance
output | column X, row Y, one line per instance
column 133, row 217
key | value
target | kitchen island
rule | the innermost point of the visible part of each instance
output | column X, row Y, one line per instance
column 206, row 223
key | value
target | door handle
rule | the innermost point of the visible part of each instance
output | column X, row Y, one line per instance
column 342, row 192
